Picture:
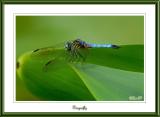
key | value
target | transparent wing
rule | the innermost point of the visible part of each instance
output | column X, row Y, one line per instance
column 50, row 51
column 57, row 55
column 49, row 55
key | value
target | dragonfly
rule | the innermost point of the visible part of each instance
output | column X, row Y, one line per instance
column 74, row 47
column 77, row 50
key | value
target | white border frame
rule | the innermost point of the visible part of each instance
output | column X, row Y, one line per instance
column 60, row 10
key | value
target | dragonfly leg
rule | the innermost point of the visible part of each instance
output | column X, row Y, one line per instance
column 70, row 58
column 74, row 55
column 77, row 56
column 81, row 56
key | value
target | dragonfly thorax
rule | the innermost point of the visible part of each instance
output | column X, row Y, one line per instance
column 70, row 45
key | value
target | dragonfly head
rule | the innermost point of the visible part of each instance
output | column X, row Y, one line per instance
column 68, row 45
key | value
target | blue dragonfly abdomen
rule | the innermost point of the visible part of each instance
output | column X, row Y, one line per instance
column 102, row 45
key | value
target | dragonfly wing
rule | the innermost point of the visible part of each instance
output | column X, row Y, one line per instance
column 49, row 51
column 55, row 54
column 53, row 64
column 49, row 56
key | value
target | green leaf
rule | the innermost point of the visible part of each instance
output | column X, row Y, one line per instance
column 57, row 83
column 127, row 57
column 111, row 84
column 107, row 74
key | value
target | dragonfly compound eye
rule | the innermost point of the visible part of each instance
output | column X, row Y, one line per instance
column 66, row 45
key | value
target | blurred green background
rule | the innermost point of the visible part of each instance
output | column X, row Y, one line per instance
column 34, row 32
